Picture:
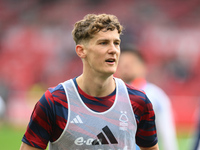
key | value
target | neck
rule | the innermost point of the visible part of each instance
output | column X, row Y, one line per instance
column 96, row 86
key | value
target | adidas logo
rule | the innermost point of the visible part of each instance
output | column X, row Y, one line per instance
column 77, row 119
column 104, row 137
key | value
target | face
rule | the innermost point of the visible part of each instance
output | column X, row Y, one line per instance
column 102, row 53
column 130, row 67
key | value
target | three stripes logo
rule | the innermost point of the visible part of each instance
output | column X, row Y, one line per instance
column 77, row 119
column 104, row 137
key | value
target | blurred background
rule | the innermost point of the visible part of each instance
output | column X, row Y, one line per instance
column 37, row 51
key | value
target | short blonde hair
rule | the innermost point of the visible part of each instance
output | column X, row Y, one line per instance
column 92, row 24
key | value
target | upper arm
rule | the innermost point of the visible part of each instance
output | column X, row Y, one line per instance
column 39, row 130
column 25, row 146
column 146, row 133
column 43, row 126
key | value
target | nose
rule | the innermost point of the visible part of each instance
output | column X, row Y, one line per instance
column 113, row 49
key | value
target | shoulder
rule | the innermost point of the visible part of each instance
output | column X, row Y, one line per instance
column 54, row 95
column 136, row 94
column 56, row 89
column 139, row 101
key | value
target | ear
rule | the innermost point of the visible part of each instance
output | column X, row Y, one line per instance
column 80, row 51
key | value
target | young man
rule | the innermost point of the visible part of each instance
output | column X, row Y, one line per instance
column 132, row 70
column 93, row 111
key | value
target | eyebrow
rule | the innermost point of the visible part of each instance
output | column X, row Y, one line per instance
column 108, row 40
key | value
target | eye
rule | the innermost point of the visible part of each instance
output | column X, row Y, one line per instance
column 103, row 43
column 117, row 43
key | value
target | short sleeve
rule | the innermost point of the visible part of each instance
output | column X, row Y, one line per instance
column 146, row 135
column 39, row 129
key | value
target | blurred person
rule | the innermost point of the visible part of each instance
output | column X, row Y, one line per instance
column 94, row 110
column 2, row 108
column 132, row 70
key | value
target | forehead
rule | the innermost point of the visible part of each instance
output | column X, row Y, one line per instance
column 107, row 35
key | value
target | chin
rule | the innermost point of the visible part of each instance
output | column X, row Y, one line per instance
column 111, row 72
column 108, row 72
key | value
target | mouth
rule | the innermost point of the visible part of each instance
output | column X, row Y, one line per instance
column 110, row 60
